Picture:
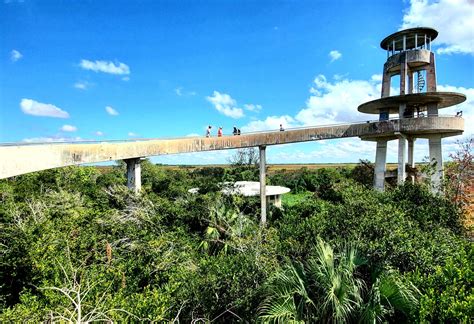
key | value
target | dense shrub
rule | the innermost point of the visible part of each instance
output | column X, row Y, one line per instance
column 167, row 254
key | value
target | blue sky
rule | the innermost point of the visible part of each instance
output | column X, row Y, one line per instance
column 100, row 70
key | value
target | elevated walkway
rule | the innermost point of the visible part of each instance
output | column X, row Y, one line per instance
column 21, row 158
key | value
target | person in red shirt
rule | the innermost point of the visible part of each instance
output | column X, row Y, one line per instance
column 219, row 132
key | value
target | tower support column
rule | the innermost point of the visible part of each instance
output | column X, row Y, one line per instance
column 436, row 160
column 380, row 160
column 263, row 187
column 402, row 158
column 134, row 178
column 411, row 158
column 431, row 75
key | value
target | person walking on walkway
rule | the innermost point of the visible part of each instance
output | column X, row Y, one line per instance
column 208, row 131
column 281, row 128
column 219, row 132
column 235, row 131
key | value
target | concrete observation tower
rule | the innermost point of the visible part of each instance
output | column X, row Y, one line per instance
column 411, row 61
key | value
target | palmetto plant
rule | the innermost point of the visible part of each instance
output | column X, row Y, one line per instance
column 387, row 294
column 324, row 289
column 328, row 289
column 227, row 227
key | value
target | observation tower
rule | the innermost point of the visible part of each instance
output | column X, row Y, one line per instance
column 411, row 62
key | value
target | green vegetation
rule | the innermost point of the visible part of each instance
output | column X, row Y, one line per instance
column 77, row 245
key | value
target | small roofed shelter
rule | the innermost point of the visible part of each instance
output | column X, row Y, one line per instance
column 251, row 188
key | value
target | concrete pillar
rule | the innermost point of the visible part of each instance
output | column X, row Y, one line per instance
column 401, row 110
column 386, row 80
column 402, row 159
column 380, row 160
column 410, row 81
column 436, row 159
column 134, row 177
column 432, row 109
column 403, row 74
column 263, row 187
column 431, row 75
column 411, row 158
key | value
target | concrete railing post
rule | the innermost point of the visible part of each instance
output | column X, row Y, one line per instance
column 134, row 177
column 263, row 188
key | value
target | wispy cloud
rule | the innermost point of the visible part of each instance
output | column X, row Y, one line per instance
column 52, row 139
column 132, row 134
column 68, row 128
column 82, row 85
column 270, row 123
column 15, row 55
column 334, row 55
column 225, row 104
column 454, row 19
column 252, row 107
column 181, row 92
column 118, row 68
column 99, row 133
column 35, row 108
column 111, row 111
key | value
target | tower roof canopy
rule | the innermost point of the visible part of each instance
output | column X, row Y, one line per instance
column 410, row 33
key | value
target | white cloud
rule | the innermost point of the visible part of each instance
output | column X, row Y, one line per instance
column 15, row 55
column 225, row 105
column 99, row 133
column 111, row 111
column 467, row 108
column 82, row 85
column 335, row 55
column 270, row 123
column 337, row 102
column 132, row 134
column 105, row 67
column 454, row 20
column 196, row 158
column 180, row 92
column 52, row 139
column 68, row 128
column 252, row 107
column 35, row 108
column 126, row 78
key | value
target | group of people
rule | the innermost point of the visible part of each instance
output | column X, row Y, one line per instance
column 235, row 132
column 220, row 132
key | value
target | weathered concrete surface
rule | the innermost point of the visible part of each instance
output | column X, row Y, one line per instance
column 263, row 182
column 419, row 31
column 392, row 103
column 25, row 158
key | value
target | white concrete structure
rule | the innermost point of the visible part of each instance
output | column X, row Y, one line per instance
column 409, row 54
column 252, row 188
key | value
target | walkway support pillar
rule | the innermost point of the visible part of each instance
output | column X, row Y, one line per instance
column 263, row 187
column 134, row 177
column 380, row 159
column 436, row 160
column 402, row 159
column 411, row 158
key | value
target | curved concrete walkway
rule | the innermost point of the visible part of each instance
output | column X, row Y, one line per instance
column 20, row 158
